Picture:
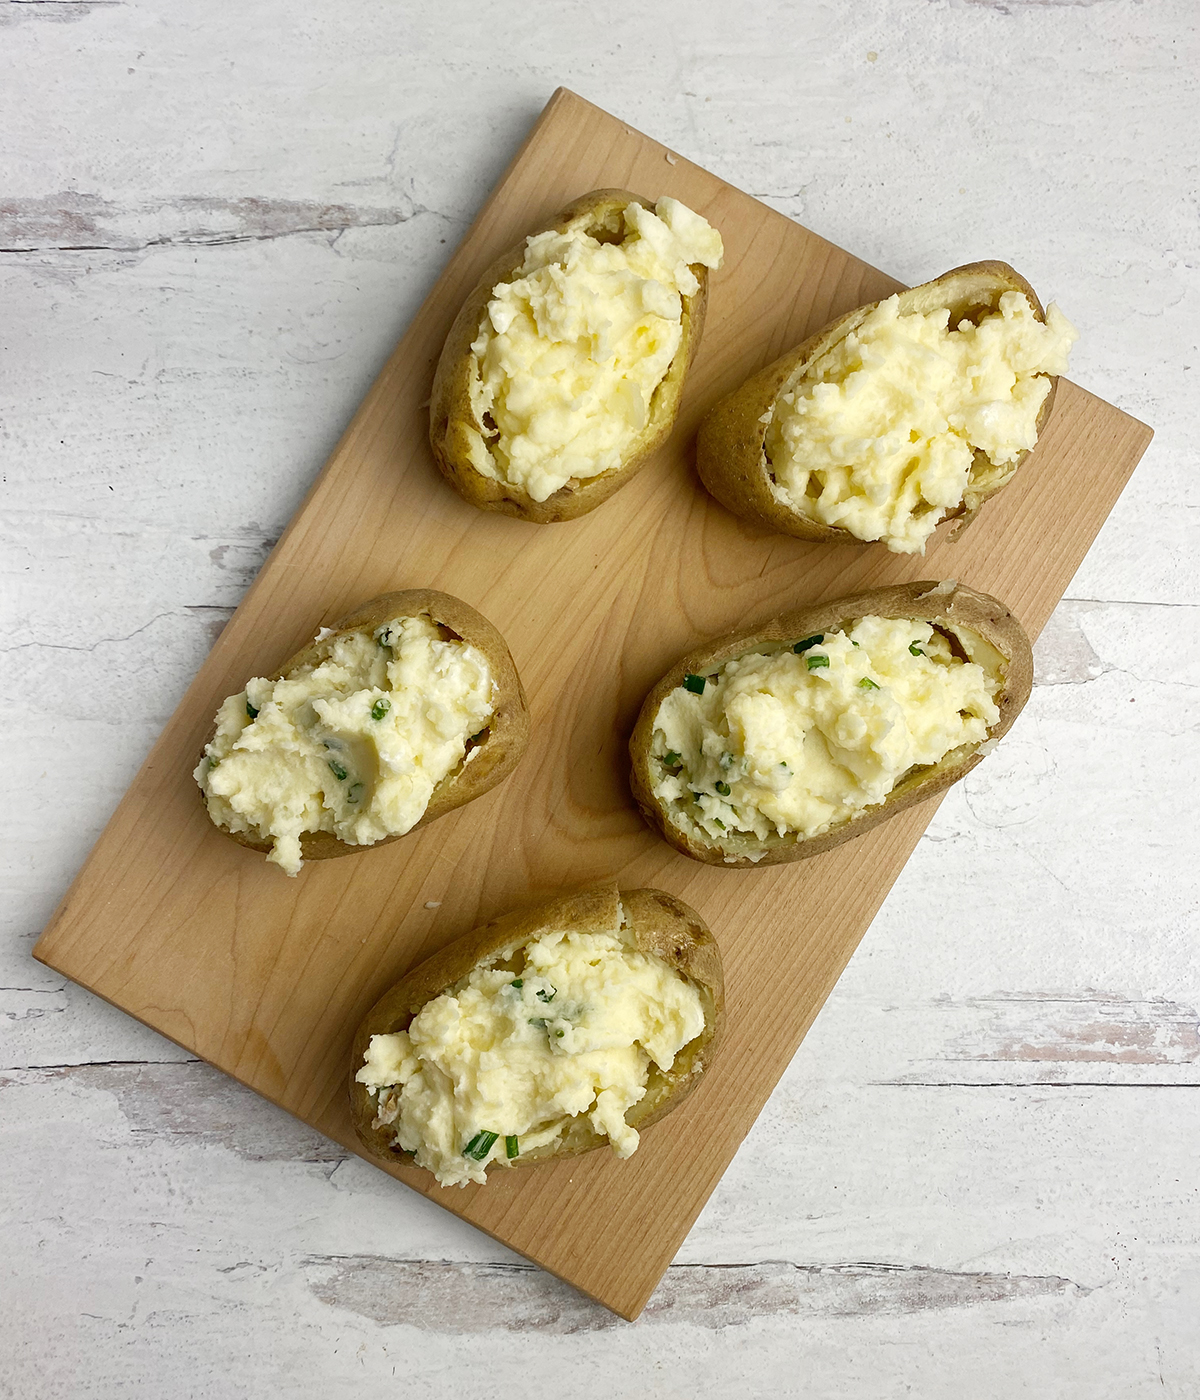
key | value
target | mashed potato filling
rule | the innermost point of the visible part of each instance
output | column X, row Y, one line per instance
column 354, row 745
column 801, row 739
column 500, row 1064
column 880, row 438
column 572, row 348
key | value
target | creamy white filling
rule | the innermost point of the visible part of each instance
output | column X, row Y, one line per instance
column 354, row 745
column 572, row 1031
column 571, row 349
column 880, row 436
column 795, row 742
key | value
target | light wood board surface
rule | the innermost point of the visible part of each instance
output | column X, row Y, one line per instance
column 267, row 978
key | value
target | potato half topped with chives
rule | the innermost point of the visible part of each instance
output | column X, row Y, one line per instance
column 545, row 1033
column 395, row 715
column 899, row 415
column 565, row 367
column 785, row 739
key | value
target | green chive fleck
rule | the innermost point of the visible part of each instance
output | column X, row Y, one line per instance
column 547, row 997
column 512, row 1146
column 518, row 983
column 671, row 759
column 726, row 759
column 251, row 711
column 385, row 637
column 723, row 789
column 212, row 763
column 480, row 1145
column 868, row 684
column 808, row 642
column 915, row 649
column 695, row 684
column 337, row 770
column 718, row 822
column 380, row 707
column 539, row 1021
column 559, row 1034
column 815, row 663
column 853, row 643
column 355, row 794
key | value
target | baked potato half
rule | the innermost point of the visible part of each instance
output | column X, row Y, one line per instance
column 826, row 721
column 506, row 958
column 413, row 628
column 469, row 428
column 738, row 436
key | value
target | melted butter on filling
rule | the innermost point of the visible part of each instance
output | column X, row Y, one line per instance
column 790, row 742
column 354, row 745
column 880, row 436
column 571, row 350
column 573, row 1031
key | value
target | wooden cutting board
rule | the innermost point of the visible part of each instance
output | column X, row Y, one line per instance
column 267, row 977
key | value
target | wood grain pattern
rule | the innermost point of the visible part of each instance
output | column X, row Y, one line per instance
column 267, row 978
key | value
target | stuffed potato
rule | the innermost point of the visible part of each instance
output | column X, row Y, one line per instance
column 400, row 712
column 542, row 1034
column 564, row 369
column 899, row 415
column 788, row 738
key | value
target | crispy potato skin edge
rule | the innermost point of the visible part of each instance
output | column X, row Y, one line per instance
column 660, row 924
column 498, row 754
column 730, row 448
column 961, row 607
column 450, row 408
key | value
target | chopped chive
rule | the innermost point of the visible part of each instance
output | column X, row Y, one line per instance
column 815, row 663
column 853, row 643
column 542, row 996
column 337, row 770
column 671, row 759
column 867, row 684
column 915, row 649
column 518, row 982
column 726, row 759
column 512, row 1146
column 251, row 710
column 539, row 1021
column 380, row 707
column 808, row 642
column 559, row 1034
column 718, row 822
column 723, row 789
column 212, row 763
column 695, row 684
column 355, row 794
column 480, row 1145
column 385, row 637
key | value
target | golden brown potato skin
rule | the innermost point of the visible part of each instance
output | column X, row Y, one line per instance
column 451, row 412
column 946, row 606
column 660, row 924
column 505, row 738
column 731, row 447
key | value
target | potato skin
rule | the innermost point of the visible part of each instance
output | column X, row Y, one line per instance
column 730, row 450
column 661, row 924
column 498, row 753
column 946, row 605
column 451, row 413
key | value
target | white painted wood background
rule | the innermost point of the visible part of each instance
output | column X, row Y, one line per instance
column 980, row 1176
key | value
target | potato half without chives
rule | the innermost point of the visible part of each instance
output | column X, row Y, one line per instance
column 563, row 372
